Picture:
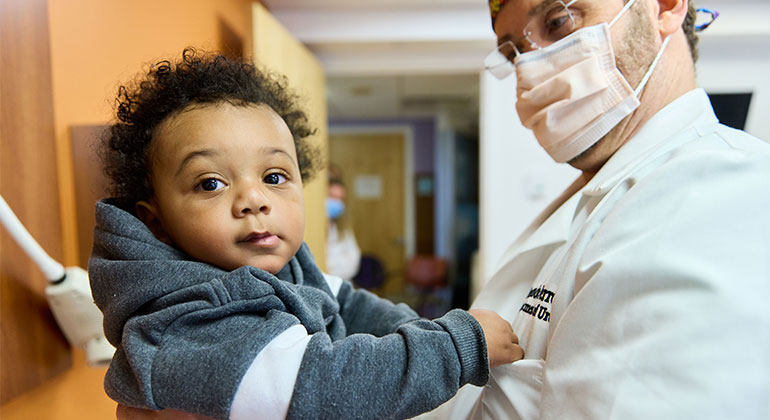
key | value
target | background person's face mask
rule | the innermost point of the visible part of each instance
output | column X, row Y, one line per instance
column 571, row 93
column 334, row 208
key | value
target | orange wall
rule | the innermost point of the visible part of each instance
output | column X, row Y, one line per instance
column 94, row 45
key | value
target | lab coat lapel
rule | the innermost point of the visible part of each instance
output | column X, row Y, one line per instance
column 551, row 227
column 527, row 255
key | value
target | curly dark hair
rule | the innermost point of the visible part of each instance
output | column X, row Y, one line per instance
column 169, row 87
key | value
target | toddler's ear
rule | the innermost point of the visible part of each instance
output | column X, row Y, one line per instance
column 148, row 214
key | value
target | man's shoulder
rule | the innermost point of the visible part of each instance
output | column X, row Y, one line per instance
column 718, row 176
column 720, row 136
column 712, row 176
column 718, row 151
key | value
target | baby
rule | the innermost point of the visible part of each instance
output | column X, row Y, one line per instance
column 213, row 301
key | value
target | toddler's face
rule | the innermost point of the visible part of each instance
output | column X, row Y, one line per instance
column 227, row 187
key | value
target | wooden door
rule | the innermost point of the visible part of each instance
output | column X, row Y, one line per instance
column 32, row 348
column 372, row 167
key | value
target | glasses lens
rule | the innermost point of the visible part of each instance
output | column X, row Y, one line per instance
column 500, row 61
column 551, row 25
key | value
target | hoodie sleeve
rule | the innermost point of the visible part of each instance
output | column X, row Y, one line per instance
column 365, row 312
column 396, row 376
column 191, row 349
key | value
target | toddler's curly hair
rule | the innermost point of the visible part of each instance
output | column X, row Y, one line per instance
column 169, row 87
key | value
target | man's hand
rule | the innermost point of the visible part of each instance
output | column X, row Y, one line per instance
column 502, row 344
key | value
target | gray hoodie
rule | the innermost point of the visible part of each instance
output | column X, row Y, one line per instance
column 186, row 332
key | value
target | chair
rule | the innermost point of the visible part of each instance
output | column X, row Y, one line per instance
column 426, row 272
column 427, row 277
column 371, row 273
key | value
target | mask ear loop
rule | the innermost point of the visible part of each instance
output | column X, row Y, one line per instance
column 714, row 15
column 654, row 64
column 622, row 11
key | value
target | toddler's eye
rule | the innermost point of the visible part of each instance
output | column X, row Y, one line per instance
column 211, row 184
column 275, row 179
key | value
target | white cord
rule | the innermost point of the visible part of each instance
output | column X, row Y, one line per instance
column 52, row 270
column 623, row 10
column 647, row 75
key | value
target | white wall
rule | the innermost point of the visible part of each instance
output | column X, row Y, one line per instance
column 735, row 58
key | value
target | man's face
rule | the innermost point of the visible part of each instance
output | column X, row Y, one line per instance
column 632, row 36
column 227, row 188
column 538, row 17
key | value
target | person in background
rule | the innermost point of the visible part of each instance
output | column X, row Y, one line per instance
column 343, row 256
column 642, row 292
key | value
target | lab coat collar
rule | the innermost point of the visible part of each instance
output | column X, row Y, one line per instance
column 688, row 112
column 691, row 111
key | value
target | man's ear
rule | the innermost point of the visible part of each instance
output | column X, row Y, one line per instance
column 671, row 14
column 147, row 212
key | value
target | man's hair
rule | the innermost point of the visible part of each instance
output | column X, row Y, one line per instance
column 197, row 78
column 689, row 30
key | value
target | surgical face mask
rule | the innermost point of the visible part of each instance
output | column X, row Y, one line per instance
column 334, row 208
column 571, row 93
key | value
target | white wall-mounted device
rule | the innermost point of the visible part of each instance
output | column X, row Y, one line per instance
column 68, row 293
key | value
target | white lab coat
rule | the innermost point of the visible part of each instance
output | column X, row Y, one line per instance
column 644, row 294
column 343, row 256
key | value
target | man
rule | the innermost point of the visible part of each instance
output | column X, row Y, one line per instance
column 642, row 292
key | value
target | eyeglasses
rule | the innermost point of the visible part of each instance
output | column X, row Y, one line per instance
column 700, row 26
column 551, row 23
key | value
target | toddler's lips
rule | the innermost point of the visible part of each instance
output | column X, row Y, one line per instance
column 264, row 240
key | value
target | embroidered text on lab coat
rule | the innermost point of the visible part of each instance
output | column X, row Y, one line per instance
column 540, row 311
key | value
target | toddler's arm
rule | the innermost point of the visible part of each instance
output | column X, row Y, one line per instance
column 191, row 349
column 187, row 333
column 501, row 344
column 365, row 312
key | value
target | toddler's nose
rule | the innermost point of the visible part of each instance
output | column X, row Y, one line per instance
column 251, row 201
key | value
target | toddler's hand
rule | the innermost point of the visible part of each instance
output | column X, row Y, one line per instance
column 502, row 344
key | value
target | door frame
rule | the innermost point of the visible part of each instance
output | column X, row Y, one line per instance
column 406, row 130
